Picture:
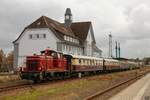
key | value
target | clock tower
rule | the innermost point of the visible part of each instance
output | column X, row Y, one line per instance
column 68, row 17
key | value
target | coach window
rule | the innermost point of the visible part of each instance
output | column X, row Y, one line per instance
column 93, row 62
column 100, row 62
column 90, row 62
column 87, row 62
column 96, row 62
column 79, row 61
column 83, row 61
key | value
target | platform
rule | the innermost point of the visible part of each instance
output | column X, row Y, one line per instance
column 139, row 90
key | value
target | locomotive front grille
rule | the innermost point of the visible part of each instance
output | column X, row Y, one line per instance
column 32, row 65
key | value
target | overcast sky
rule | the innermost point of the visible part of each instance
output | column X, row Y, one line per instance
column 127, row 20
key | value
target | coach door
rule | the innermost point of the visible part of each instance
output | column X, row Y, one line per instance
column 104, row 65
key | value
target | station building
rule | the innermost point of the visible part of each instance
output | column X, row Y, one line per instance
column 75, row 38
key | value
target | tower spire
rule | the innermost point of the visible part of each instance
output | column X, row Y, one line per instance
column 68, row 17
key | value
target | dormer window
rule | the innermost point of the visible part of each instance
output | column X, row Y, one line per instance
column 64, row 37
column 70, row 39
column 38, row 23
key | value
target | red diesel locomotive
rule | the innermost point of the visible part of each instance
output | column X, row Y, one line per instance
column 51, row 64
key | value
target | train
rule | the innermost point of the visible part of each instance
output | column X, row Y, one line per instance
column 51, row 64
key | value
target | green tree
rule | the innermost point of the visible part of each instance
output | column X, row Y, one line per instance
column 1, row 57
column 2, row 60
column 9, row 59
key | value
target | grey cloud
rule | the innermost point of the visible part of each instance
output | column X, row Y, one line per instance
column 127, row 20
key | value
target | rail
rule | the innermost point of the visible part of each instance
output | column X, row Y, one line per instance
column 100, row 93
column 15, row 86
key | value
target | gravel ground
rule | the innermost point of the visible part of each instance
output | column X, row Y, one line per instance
column 76, row 89
column 7, row 78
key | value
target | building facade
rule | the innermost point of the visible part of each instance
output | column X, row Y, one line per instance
column 75, row 38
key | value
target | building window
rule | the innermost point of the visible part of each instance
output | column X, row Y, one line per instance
column 64, row 37
column 71, row 39
column 33, row 36
column 70, row 49
column 67, row 38
column 40, row 36
column 37, row 35
column 44, row 36
column 30, row 36
column 63, row 47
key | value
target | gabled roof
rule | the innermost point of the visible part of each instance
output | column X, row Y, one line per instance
column 81, row 29
column 45, row 22
column 96, row 48
column 77, row 30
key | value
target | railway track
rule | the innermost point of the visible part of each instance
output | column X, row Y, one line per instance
column 3, row 89
column 15, row 86
column 32, row 86
column 101, row 93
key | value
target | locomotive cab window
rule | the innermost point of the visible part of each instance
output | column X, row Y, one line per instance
column 54, row 54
